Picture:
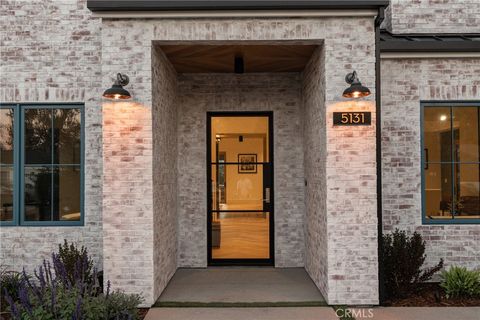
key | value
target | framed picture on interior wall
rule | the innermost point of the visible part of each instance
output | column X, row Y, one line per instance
column 247, row 163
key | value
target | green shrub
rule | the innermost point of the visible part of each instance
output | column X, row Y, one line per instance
column 71, row 256
column 9, row 284
column 402, row 259
column 460, row 282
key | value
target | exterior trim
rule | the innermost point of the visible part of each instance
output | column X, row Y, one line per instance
column 428, row 55
column 444, row 103
column 453, row 42
column 234, row 13
column 162, row 5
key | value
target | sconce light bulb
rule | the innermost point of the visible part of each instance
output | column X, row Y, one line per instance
column 443, row 117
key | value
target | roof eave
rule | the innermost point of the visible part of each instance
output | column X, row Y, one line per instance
column 181, row 5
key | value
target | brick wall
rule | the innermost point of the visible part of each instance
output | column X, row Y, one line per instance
column 127, row 45
column 279, row 93
column 51, row 52
column 315, row 155
column 433, row 16
column 404, row 83
column 164, row 114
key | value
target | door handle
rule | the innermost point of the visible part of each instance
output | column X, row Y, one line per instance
column 267, row 195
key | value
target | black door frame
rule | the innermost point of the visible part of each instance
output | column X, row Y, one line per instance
column 241, row 262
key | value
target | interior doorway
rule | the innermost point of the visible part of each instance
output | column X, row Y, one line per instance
column 240, row 211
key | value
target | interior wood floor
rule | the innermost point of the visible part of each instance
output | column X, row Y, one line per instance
column 243, row 236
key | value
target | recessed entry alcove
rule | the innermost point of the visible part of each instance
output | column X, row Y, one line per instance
column 235, row 112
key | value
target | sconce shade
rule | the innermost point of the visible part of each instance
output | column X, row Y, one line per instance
column 356, row 89
column 117, row 91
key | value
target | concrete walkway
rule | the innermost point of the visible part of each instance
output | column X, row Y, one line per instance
column 313, row 313
column 417, row 313
column 241, row 285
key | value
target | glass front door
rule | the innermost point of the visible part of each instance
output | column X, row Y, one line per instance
column 240, row 189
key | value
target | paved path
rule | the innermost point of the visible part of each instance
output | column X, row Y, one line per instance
column 313, row 313
column 414, row 313
column 237, row 285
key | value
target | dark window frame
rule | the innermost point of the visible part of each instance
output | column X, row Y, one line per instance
column 452, row 104
column 19, row 164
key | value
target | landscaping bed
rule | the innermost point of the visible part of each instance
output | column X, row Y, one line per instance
column 432, row 295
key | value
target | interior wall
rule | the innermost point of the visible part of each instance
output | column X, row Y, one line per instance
column 164, row 129
column 314, row 135
column 280, row 93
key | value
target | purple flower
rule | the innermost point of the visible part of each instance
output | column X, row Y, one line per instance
column 13, row 306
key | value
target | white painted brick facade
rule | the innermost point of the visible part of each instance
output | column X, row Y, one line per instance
column 433, row 16
column 138, row 205
column 54, row 57
column 405, row 82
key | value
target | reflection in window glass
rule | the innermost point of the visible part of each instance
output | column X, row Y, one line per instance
column 6, row 136
column 6, row 164
column 451, row 162
column 467, row 191
column 38, row 194
column 38, row 136
column 66, row 136
column 465, row 123
column 6, row 193
column 66, row 197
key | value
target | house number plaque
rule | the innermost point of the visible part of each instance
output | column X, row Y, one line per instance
column 352, row 118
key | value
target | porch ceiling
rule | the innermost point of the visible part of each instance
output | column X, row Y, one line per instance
column 190, row 58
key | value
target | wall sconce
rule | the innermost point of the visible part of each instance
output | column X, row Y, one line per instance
column 356, row 90
column 117, row 91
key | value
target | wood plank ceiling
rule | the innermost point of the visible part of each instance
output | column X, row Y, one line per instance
column 220, row 58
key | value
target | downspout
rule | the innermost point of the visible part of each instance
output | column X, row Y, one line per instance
column 378, row 123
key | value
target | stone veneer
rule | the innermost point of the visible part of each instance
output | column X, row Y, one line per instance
column 51, row 52
column 405, row 82
column 277, row 92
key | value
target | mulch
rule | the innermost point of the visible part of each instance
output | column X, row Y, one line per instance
column 142, row 312
column 432, row 295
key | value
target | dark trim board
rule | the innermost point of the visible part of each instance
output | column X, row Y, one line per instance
column 240, row 262
column 429, row 42
column 183, row 5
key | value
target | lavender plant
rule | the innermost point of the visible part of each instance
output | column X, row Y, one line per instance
column 57, row 292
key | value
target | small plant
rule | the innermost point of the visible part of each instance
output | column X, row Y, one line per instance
column 459, row 282
column 403, row 258
column 70, row 255
column 9, row 284
column 65, row 288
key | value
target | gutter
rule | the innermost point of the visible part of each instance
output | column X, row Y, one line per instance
column 378, row 127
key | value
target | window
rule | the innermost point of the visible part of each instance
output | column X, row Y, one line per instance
column 451, row 163
column 41, row 162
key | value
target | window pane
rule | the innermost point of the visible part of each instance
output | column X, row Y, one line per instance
column 465, row 124
column 437, row 135
column 38, row 136
column 467, row 191
column 38, row 194
column 6, row 136
column 66, row 193
column 6, row 193
column 438, row 191
column 66, row 136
